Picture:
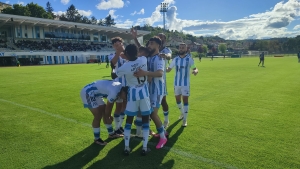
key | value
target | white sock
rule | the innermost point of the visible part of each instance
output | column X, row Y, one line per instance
column 117, row 121
column 122, row 117
column 179, row 105
column 145, row 135
column 138, row 125
column 127, row 131
column 161, row 132
column 166, row 115
column 186, row 110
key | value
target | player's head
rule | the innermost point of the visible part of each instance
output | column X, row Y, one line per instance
column 115, row 41
column 163, row 37
column 182, row 49
column 131, row 52
column 143, row 51
column 154, row 45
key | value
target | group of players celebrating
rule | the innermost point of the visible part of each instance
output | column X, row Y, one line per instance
column 138, row 87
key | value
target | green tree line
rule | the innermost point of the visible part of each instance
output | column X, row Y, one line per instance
column 71, row 15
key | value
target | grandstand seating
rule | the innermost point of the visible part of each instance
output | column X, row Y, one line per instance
column 60, row 46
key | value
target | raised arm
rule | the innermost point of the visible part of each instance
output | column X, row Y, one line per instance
column 134, row 35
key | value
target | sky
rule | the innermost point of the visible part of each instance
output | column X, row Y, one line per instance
column 229, row 19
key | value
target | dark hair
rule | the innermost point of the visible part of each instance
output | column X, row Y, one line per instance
column 131, row 52
column 116, row 39
column 144, row 49
column 156, row 39
column 124, row 89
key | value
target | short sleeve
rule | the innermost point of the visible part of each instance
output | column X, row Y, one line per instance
column 121, row 70
column 160, row 63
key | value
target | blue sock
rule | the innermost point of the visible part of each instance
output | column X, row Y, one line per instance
column 96, row 133
column 109, row 128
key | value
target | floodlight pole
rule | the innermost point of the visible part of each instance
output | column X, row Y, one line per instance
column 164, row 9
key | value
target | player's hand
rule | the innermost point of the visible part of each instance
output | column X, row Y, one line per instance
column 140, row 73
column 195, row 72
column 133, row 32
column 109, row 119
column 119, row 47
column 123, row 56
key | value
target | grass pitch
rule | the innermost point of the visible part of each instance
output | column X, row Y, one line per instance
column 241, row 116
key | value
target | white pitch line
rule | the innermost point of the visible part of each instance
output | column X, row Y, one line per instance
column 172, row 149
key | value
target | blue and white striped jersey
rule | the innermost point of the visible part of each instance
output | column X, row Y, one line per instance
column 166, row 50
column 157, row 84
column 138, row 88
column 108, row 89
column 182, row 74
column 121, row 79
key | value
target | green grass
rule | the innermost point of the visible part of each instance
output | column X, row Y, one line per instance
column 241, row 116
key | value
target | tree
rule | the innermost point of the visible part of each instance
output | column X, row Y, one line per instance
column 86, row 20
column 204, row 49
column 49, row 9
column 222, row 47
column 109, row 21
column 37, row 11
column 93, row 20
column 72, row 13
column 101, row 22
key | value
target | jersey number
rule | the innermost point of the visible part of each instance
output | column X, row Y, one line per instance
column 140, row 80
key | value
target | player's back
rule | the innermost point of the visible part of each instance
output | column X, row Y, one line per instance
column 133, row 66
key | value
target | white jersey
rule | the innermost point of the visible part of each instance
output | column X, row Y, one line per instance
column 138, row 88
column 119, row 63
column 182, row 74
column 104, row 88
column 157, row 84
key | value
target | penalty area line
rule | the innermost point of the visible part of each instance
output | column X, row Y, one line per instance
column 172, row 149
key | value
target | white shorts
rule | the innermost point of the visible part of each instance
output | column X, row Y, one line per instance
column 90, row 100
column 155, row 100
column 182, row 90
column 143, row 106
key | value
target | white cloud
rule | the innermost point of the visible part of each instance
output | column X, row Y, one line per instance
column 141, row 12
column 296, row 27
column 59, row 12
column 20, row 3
column 7, row 2
column 65, row 2
column 85, row 13
column 112, row 14
column 271, row 23
column 126, row 24
column 81, row 12
column 108, row 4
column 128, row 2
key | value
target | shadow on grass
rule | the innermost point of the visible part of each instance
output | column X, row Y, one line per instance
column 80, row 159
column 154, row 159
